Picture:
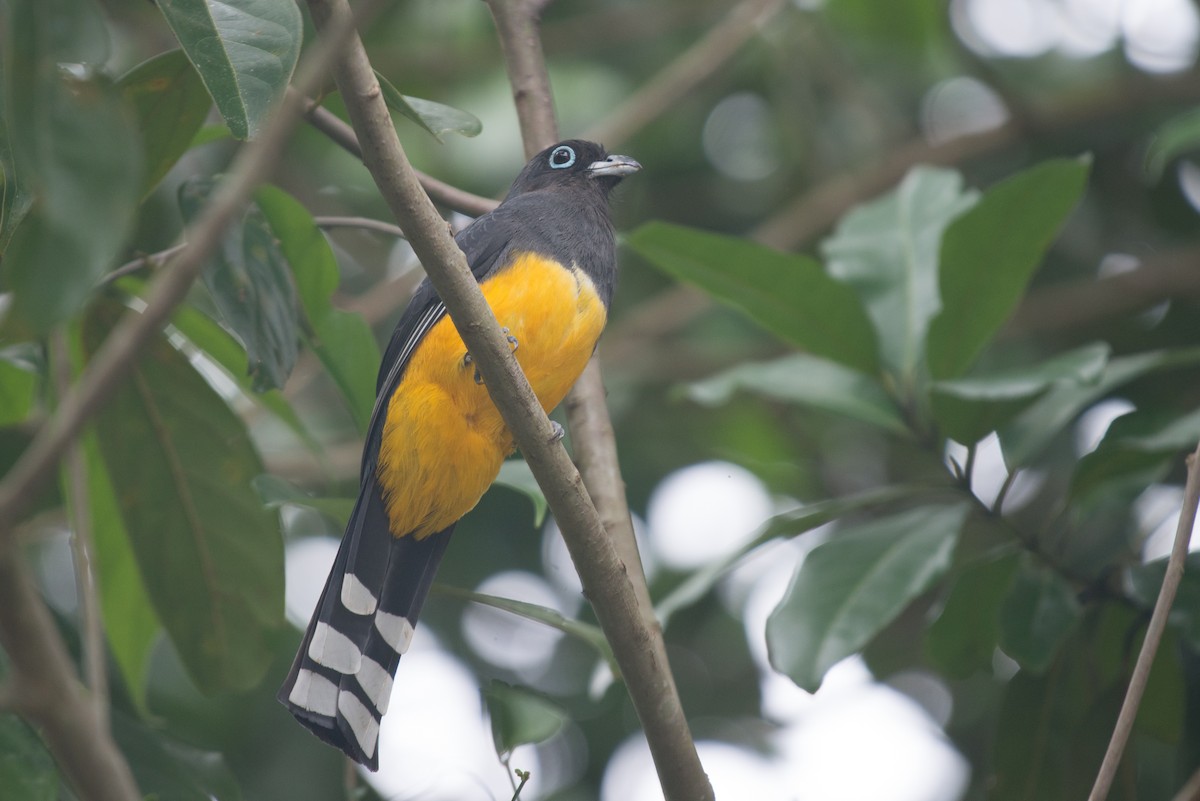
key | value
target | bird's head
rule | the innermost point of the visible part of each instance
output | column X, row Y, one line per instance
column 574, row 163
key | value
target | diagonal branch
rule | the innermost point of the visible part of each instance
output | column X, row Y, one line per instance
column 688, row 71
column 605, row 577
column 1154, row 632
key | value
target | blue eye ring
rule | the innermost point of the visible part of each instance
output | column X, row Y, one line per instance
column 558, row 154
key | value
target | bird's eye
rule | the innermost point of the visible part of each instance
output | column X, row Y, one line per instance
column 562, row 157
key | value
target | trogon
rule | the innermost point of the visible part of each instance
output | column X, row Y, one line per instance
column 545, row 259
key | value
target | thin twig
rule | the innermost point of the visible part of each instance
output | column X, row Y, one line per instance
column 998, row 504
column 343, row 136
column 685, row 73
column 366, row 223
column 1154, row 632
column 1190, row 790
column 91, row 622
column 153, row 261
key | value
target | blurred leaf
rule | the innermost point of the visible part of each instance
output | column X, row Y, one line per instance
column 252, row 289
column 18, row 386
column 785, row 525
column 887, row 250
column 963, row 638
column 1174, row 138
column 516, row 475
column 435, row 118
column 916, row 26
column 1137, row 450
column 275, row 492
column 520, row 717
column 850, row 587
column 989, row 254
column 1146, row 581
column 211, row 133
column 79, row 161
column 1026, row 436
column 342, row 341
column 220, row 348
column 171, row 103
column 15, row 197
column 968, row 409
column 1038, row 614
column 244, row 51
column 806, row 380
column 167, row 769
column 592, row 635
column 27, row 771
column 789, row 295
column 210, row 556
column 130, row 624
column 1051, row 732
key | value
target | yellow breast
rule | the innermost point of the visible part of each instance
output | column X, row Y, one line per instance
column 443, row 438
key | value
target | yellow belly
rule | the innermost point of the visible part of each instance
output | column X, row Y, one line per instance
column 444, row 439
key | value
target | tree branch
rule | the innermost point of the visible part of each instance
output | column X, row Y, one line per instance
column 605, row 578
column 343, row 136
column 1154, row 632
column 517, row 24
column 47, row 693
column 43, row 677
column 685, row 73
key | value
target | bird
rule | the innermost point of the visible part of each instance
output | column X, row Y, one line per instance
column 545, row 260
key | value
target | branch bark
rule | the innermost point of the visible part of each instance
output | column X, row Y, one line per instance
column 517, row 24
column 605, row 577
column 1154, row 632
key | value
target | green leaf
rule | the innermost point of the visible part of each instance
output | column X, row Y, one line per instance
column 1037, row 616
column 989, row 254
column 171, row 103
column 520, row 717
column 130, row 623
column 275, row 492
column 968, row 409
column 18, row 385
column 211, row 557
column 1051, row 731
column 252, row 289
column 516, row 475
column 435, row 118
column 168, row 769
column 1026, row 436
column 244, row 51
column 1175, row 137
column 592, row 635
column 27, row 771
column 915, row 27
column 1137, row 450
column 15, row 196
column 79, row 158
column 809, row 381
column 887, row 250
column 963, row 638
column 1146, row 582
column 785, row 525
column 342, row 341
column 849, row 588
column 789, row 295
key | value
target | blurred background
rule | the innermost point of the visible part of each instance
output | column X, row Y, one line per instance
column 781, row 117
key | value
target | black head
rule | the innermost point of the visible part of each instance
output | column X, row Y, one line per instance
column 577, row 164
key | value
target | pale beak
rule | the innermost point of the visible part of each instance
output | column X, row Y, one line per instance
column 613, row 167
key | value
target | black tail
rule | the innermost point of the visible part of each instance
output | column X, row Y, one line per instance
column 341, row 679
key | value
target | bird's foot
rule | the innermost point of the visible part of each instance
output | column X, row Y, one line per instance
column 557, row 432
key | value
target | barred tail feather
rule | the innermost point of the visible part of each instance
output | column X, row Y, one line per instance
column 341, row 679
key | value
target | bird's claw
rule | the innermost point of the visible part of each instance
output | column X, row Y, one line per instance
column 557, row 432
